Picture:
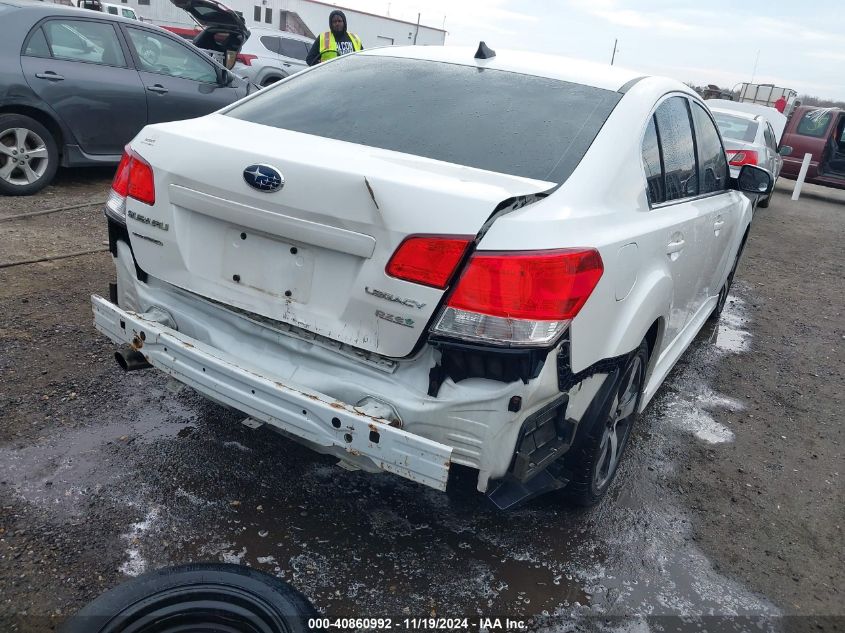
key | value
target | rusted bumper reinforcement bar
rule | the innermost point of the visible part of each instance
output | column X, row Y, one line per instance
column 304, row 413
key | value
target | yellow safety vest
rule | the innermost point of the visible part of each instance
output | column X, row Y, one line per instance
column 328, row 45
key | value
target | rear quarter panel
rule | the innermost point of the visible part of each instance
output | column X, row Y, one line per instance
column 604, row 205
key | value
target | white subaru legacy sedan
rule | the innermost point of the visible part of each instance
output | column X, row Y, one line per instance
column 415, row 257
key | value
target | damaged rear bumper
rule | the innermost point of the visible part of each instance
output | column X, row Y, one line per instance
column 304, row 413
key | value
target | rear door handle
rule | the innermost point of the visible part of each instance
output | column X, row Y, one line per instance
column 50, row 75
column 673, row 249
column 158, row 89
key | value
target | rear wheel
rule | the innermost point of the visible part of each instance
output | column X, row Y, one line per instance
column 726, row 288
column 594, row 460
column 28, row 155
column 270, row 81
column 206, row 597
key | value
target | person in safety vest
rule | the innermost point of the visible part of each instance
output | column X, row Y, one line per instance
column 334, row 42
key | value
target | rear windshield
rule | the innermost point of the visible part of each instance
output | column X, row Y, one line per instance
column 489, row 119
column 814, row 123
column 735, row 127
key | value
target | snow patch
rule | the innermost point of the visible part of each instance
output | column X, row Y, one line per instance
column 136, row 564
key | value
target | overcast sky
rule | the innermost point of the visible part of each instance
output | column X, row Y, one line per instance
column 801, row 43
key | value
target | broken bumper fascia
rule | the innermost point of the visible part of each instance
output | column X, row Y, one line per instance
column 303, row 413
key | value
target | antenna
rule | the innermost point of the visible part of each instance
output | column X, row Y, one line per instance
column 484, row 52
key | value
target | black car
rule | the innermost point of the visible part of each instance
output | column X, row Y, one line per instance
column 77, row 85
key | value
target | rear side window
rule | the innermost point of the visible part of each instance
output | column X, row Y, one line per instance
column 270, row 43
column 712, row 164
column 294, row 48
column 449, row 112
column 814, row 123
column 84, row 41
column 112, row 10
column 37, row 45
column 653, row 164
column 769, row 134
column 678, row 147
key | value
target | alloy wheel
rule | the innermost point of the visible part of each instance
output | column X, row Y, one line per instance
column 23, row 156
column 618, row 424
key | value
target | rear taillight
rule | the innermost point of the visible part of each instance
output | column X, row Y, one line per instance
column 738, row 158
column 520, row 298
column 429, row 260
column 245, row 58
column 133, row 179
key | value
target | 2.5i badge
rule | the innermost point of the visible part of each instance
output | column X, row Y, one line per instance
column 398, row 320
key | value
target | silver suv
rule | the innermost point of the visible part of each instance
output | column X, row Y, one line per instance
column 269, row 55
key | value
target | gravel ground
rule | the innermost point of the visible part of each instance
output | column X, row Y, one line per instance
column 729, row 504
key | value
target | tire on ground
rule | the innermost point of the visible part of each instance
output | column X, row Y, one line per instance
column 587, row 452
column 200, row 596
column 12, row 184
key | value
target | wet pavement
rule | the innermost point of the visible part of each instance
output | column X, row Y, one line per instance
column 728, row 504
column 202, row 486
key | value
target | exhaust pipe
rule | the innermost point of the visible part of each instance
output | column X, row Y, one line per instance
column 131, row 360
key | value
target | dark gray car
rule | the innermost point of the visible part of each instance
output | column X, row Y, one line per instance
column 77, row 85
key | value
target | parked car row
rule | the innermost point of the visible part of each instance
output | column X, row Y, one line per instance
column 417, row 290
column 77, row 85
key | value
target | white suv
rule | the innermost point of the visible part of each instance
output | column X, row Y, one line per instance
column 269, row 55
column 416, row 257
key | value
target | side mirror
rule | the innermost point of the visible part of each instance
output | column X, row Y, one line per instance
column 785, row 150
column 755, row 180
column 224, row 77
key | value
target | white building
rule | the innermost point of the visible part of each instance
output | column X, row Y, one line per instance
column 374, row 30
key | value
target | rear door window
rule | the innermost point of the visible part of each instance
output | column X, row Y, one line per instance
column 84, row 41
column 160, row 54
column 678, row 148
column 495, row 120
column 712, row 164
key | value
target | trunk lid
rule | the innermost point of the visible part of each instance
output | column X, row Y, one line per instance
column 212, row 13
column 313, row 253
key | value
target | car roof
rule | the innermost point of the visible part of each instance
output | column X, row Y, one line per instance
column 737, row 113
column 265, row 30
column 49, row 8
column 540, row 64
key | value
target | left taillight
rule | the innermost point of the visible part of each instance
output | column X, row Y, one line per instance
column 520, row 298
column 245, row 58
column 133, row 179
column 738, row 158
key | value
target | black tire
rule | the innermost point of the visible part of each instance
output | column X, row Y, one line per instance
column 590, row 468
column 207, row 597
column 763, row 203
column 270, row 81
column 726, row 288
column 42, row 162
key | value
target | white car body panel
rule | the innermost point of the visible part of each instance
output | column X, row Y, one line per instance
column 663, row 266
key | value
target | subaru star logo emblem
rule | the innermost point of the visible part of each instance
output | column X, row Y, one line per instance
column 264, row 178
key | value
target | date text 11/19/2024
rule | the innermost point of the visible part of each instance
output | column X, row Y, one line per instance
column 416, row 624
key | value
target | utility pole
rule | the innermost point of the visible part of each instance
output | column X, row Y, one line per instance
column 613, row 57
column 417, row 32
column 754, row 72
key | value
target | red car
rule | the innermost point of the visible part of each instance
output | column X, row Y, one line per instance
column 820, row 132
